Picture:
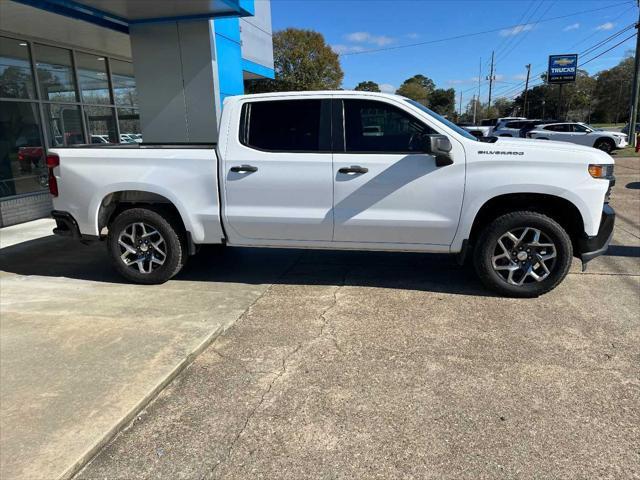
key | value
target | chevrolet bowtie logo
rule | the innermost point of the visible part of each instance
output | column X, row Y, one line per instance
column 562, row 61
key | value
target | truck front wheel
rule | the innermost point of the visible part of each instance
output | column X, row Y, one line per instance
column 523, row 254
column 145, row 247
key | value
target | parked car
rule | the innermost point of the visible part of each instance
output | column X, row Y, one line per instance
column 625, row 129
column 476, row 130
column 297, row 170
column 502, row 130
column 528, row 125
column 581, row 134
column 100, row 139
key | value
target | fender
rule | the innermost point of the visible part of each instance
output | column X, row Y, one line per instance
column 470, row 210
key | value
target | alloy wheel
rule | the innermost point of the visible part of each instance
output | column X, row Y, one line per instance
column 142, row 247
column 524, row 255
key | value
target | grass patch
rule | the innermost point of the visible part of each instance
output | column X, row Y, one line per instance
column 608, row 125
column 625, row 152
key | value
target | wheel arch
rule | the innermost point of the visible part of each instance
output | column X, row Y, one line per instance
column 563, row 211
column 118, row 201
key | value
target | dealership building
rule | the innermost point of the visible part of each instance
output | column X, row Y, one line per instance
column 116, row 71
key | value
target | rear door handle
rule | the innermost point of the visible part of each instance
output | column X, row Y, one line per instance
column 244, row 169
column 353, row 169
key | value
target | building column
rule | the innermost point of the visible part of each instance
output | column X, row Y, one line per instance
column 176, row 70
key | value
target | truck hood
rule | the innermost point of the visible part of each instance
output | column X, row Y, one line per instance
column 548, row 145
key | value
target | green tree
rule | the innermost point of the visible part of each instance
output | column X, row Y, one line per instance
column 443, row 101
column 417, row 88
column 302, row 61
column 368, row 86
column 612, row 91
column 504, row 107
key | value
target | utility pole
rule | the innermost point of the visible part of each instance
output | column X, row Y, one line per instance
column 633, row 108
column 460, row 104
column 490, row 78
column 475, row 104
column 526, row 90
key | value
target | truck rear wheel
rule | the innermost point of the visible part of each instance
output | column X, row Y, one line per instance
column 145, row 247
column 523, row 254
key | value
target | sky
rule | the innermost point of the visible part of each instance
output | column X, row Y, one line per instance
column 519, row 31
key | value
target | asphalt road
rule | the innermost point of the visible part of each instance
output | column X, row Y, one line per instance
column 367, row 365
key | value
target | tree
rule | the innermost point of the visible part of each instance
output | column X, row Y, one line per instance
column 302, row 61
column 612, row 92
column 368, row 86
column 443, row 101
column 504, row 107
column 417, row 88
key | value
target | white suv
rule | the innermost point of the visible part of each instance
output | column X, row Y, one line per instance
column 580, row 133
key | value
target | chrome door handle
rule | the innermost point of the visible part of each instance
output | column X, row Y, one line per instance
column 353, row 169
column 244, row 169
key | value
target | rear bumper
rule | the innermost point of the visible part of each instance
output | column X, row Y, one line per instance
column 592, row 247
column 66, row 226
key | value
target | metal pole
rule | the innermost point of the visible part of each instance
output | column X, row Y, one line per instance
column 633, row 108
column 559, row 109
column 490, row 81
column 475, row 104
column 526, row 90
column 460, row 104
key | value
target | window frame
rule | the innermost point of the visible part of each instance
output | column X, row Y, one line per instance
column 324, row 133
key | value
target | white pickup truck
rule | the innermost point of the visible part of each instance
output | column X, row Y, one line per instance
column 303, row 170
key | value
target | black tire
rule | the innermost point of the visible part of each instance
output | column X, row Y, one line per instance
column 487, row 246
column 605, row 144
column 174, row 246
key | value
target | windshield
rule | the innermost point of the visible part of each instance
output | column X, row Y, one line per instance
column 440, row 118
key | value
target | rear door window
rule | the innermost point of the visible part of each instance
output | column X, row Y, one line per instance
column 286, row 125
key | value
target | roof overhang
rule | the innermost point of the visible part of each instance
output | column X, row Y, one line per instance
column 119, row 14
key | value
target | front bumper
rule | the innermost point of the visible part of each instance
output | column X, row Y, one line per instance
column 589, row 248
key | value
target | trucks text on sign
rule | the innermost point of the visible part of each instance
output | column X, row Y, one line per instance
column 562, row 68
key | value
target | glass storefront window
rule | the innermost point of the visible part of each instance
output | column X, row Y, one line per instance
column 16, row 78
column 129, row 120
column 101, row 123
column 64, row 124
column 124, row 84
column 22, row 157
column 92, row 77
column 55, row 74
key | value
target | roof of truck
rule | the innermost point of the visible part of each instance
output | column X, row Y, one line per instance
column 310, row 93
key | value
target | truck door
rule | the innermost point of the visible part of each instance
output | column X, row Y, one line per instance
column 387, row 190
column 278, row 183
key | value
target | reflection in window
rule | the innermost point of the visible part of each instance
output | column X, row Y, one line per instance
column 101, row 124
column 124, row 83
column 372, row 126
column 92, row 77
column 22, row 165
column 129, row 120
column 16, row 79
column 64, row 125
column 55, row 75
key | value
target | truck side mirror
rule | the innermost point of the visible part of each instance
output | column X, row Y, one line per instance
column 440, row 147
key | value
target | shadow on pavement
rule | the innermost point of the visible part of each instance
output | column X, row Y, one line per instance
column 57, row 257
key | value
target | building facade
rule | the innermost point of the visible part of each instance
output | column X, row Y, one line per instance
column 116, row 71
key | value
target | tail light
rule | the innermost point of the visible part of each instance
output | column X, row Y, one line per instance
column 53, row 161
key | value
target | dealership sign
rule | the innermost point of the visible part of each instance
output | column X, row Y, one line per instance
column 562, row 68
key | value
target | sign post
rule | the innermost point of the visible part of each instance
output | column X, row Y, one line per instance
column 562, row 69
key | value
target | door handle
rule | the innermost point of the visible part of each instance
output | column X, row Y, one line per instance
column 244, row 169
column 353, row 169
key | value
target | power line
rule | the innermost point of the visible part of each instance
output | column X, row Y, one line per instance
column 507, row 91
column 474, row 34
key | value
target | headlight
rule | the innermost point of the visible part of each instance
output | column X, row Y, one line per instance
column 601, row 171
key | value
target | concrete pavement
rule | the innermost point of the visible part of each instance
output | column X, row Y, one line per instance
column 363, row 365
column 80, row 352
